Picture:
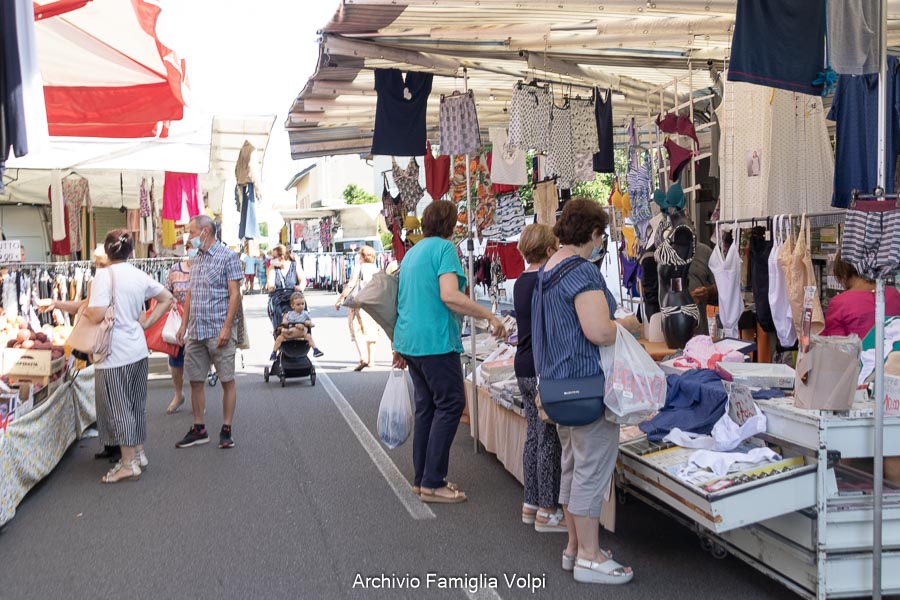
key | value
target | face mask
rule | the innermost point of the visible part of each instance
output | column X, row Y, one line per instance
column 596, row 253
column 196, row 242
column 192, row 252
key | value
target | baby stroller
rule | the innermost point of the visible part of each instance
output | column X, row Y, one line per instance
column 292, row 360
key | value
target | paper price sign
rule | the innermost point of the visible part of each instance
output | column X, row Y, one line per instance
column 10, row 251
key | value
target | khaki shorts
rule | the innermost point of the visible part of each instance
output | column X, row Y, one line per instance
column 199, row 354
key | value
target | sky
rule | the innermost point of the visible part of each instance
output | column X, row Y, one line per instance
column 247, row 58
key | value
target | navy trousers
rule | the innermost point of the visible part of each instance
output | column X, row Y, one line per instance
column 440, row 400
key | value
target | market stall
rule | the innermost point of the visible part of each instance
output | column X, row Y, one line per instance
column 732, row 184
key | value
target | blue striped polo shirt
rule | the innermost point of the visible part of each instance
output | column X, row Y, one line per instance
column 561, row 350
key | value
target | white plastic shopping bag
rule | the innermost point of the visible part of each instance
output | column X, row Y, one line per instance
column 395, row 417
column 173, row 324
column 635, row 385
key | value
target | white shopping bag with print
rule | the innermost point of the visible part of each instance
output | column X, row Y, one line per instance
column 635, row 385
column 395, row 417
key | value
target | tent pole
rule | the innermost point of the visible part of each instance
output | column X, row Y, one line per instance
column 470, row 247
column 877, row 515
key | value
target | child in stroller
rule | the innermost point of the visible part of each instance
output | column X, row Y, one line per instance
column 296, row 325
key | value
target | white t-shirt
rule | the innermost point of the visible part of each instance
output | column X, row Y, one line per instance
column 133, row 289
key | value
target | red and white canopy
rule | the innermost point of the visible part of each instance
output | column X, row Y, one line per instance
column 106, row 73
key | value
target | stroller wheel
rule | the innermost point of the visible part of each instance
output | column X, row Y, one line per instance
column 266, row 374
column 212, row 380
column 283, row 379
column 312, row 378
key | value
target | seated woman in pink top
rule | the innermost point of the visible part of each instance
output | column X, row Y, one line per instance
column 853, row 311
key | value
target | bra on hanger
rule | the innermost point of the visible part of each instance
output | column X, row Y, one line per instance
column 673, row 198
column 679, row 157
column 681, row 124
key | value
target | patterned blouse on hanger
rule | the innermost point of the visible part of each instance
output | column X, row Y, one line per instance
column 407, row 181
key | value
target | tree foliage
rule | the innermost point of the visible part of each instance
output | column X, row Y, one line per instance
column 353, row 194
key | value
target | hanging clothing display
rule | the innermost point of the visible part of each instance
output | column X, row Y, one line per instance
column 855, row 110
column 726, row 268
column 59, row 224
column 400, row 112
column 584, row 126
column 508, row 164
column 146, row 234
column 782, row 134
column 325, row 233
column 12, row 129
column 391, row 206
column 244, row 169
column 779, row 43
column 133, row 220
column 779, row 300
column 529, row 116
column 437, row 173
column 546, row 202
column 561, row 157
column 33, row 102
column 853, row 36
column 800, row 275
column 181, row 197
column 872, row 238
column 760, row 250
column 248, row 228
column 407, row 181
column 604, row 159
column 509, row 217
column 460, row 133
column 169, row 237
column 62, row 247
column 77, row 192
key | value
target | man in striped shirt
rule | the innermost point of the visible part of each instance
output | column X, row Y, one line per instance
column 207, row 330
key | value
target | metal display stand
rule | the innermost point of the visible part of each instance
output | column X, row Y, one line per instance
column 795, row 527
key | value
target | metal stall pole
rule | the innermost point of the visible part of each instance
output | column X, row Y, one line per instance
column 470, row 247
column 879, row 319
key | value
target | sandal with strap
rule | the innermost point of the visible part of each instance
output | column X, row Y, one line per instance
column 529, row 512
column 112, row 475
column 554, row 524
column 430, row 495
column 607, row 572
column 568, row 560
column 450, row 485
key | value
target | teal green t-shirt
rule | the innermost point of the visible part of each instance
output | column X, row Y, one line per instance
column 425, row 326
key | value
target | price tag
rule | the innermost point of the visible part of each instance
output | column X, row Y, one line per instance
column 10, row 251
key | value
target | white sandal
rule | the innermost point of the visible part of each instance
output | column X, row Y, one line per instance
column 568, row 560
column 554, row 523
column 529, row 512
column 110, row 477
column 607, row 572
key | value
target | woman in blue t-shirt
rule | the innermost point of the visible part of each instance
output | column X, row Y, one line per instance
column 427, row 340
column 572, row 315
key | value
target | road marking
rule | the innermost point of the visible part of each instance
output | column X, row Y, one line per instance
column 415, row 507
column 483, row 594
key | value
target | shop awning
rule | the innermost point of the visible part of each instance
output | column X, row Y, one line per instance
column 630, row 46
column 106, row 72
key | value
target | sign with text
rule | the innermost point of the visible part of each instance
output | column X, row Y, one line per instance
column 10, row 251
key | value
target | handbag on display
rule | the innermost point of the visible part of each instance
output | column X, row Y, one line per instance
column 571, row 402
column 94, row 339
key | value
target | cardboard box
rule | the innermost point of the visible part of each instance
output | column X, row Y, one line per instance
column 891, row 395
column 27, row 363
column 758, row 374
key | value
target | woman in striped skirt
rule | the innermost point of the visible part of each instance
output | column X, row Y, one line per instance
column 121, row 378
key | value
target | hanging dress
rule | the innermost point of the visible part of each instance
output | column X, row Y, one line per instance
column 779, row 301
column 800, row 275
column 726, row 268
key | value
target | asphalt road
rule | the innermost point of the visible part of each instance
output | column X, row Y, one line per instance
column 303, row 507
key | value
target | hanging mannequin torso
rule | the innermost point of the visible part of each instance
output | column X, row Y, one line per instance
column 676, row 244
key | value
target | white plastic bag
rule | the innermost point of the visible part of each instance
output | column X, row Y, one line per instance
column 173, row 324
column 395, row 417
column 635, row 385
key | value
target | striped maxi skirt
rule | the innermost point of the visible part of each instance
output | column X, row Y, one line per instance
column 121, row 395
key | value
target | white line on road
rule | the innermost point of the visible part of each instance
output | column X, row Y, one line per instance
column 483, row 594
column 394, row 477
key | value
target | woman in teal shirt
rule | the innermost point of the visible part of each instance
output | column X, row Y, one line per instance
column 427, row 340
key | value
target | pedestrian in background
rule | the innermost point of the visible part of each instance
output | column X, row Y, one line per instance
column 178, row 282
column 262, row 266
column 363, row 330
column 541, row 454
column 283, row 273
column 427, row 339
column 121, row 378
column 250, row 265
column 207, row 331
